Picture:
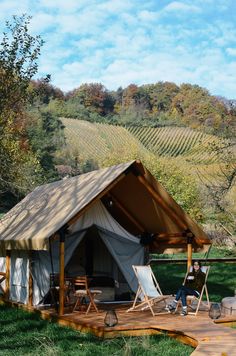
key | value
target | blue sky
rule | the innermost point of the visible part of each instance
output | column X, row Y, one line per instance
column 119, row 42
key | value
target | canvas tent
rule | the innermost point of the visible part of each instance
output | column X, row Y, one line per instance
column 45, row 231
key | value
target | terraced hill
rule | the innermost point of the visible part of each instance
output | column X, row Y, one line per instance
column 194, row 146
column 97, row 141
column 190, row 149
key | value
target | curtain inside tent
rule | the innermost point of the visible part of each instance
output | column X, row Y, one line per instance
column 125, row 252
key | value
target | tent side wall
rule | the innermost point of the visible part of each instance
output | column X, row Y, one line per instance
column 3, row 269
column 19, row 276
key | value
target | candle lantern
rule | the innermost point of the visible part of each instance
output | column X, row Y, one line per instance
column 111, row 318
column 215, row 311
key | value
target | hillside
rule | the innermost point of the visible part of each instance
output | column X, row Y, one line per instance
column 192, row 150
column 192, row 145
column 97, row 141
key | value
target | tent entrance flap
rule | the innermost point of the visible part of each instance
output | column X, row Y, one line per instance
column 95, row 258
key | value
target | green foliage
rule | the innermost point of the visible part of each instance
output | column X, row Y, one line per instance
column 18, row 55
column 19, row 52
column 41, row 91
column 29, row 137
column 179, row 183
column 45, row 138
column 198, row 109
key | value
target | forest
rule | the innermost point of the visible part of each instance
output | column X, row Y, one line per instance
column 34, row 138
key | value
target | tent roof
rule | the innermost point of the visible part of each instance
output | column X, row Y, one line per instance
column 49, row 207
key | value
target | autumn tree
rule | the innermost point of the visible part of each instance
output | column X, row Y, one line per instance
column 94, row 97
column 19, row 52
column 41, row 91
column 27, row 140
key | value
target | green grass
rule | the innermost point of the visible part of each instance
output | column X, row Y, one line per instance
column 221, row 280
column 24, row 333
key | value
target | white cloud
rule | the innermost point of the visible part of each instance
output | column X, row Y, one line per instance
column 180, row 6
column 231, row 51
column 41, row 22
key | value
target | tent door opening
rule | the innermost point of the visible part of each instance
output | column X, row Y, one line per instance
column 92, row 258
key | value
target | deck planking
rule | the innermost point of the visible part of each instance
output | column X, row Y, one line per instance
column 207, row 337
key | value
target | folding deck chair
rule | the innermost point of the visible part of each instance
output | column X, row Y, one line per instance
column 192, row 298
column 149, row 291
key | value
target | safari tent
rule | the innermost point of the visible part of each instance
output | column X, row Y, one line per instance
column 99, row 224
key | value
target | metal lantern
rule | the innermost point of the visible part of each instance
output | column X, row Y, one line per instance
column 111, row 318
column 215, row 311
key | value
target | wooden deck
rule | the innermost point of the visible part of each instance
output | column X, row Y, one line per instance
column 208, row 337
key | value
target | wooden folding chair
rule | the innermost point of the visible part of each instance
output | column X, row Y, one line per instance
column 192, row 298
column 149, row 291
column 82, row 292
column 2, row 279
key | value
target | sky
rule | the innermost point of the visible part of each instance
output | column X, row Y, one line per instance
column 119, row 42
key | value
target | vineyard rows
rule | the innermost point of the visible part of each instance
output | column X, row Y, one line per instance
column 96, row 140
column 194, row 146
column 188, row 148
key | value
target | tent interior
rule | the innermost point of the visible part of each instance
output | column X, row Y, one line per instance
column 92, row 258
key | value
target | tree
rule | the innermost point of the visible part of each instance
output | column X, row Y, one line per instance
column 19, row 51
column 220, row 184
column 94, row 97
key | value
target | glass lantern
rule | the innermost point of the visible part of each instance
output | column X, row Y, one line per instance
column 215, row 311
column 111, row 318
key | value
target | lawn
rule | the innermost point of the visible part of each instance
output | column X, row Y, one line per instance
column 24, row 333
column 221, row 280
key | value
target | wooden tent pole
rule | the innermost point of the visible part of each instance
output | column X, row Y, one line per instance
column 62, row 277
column 30, row 282
column 8, row 267
column 162, row 203
column 189, row 253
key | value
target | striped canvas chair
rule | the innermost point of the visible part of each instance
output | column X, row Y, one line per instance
column 149, row 292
